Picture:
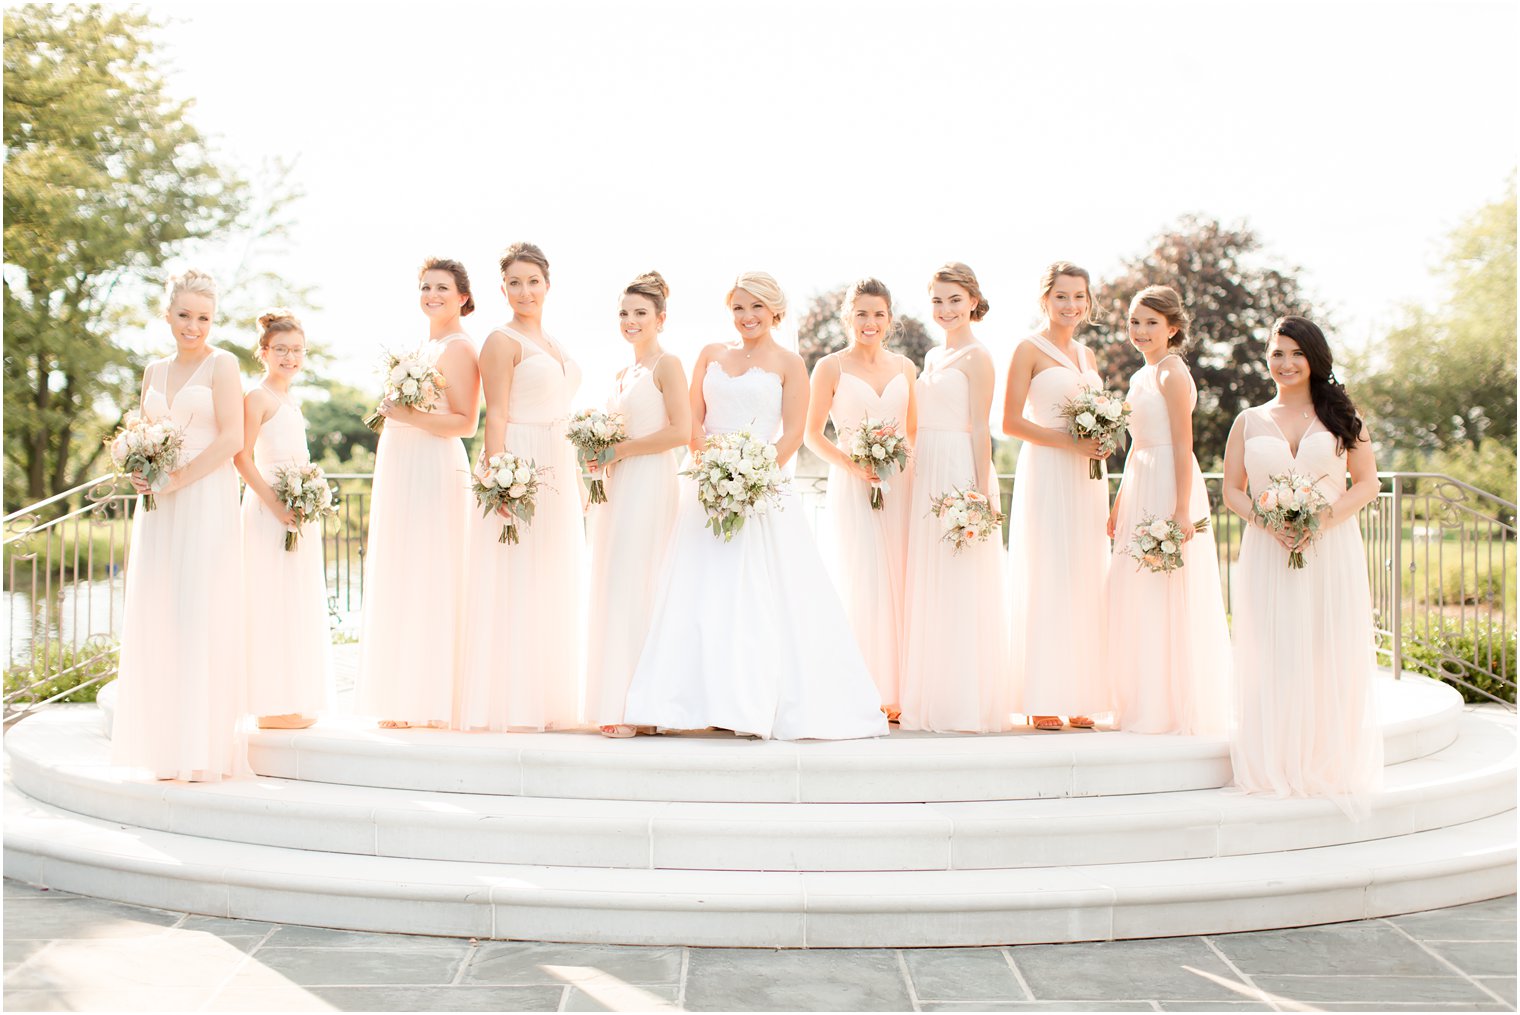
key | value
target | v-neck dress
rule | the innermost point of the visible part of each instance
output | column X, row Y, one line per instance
column 181, row 676
column 1304, row 652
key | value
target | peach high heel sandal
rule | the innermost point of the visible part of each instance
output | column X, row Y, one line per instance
column 619, row 731
column 287, row 721
column 1049, row 723
column 1080, row 722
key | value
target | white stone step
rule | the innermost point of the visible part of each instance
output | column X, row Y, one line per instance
column 62, row 757
column 50, row 846
column 1418, row 717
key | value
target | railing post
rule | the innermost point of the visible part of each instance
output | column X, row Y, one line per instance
column 1397, row 633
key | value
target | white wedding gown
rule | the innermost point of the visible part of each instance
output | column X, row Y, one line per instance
column 750, row 635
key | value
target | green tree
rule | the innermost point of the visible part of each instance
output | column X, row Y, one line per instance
column 105, row 179
column 337, row 436
column 821, row 331
column 1233, row 296
column 1444, row 380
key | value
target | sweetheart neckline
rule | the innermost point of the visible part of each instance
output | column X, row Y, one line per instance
column 883, row 392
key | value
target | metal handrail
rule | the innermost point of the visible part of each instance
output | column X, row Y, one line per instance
column 65, row 576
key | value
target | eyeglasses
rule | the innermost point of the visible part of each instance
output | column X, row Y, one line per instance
column 282, row 351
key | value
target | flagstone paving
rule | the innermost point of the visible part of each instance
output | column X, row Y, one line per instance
column 68, row 953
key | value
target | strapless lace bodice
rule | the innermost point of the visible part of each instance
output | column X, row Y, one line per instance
column 751, row 401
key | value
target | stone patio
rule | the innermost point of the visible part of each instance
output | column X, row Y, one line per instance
column 68, row 953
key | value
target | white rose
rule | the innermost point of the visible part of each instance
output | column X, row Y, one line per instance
column 1087, row 421
column 516, row 490
column 601, row 429
column 1159, row 528
column 769, row 452
column 295, row 484
column 1112, row 410
column 408, row 387
column 1167, row 546
column 119, row 449
column 416, row 369
column 522, row 474
column 878, row 452
column 398, row 373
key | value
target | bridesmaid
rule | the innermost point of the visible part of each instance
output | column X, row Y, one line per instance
column 182, row 665
column 954, row 670
column 869, row 546
column 630, row 532
column 522, row 660
column 1057, row 550
column 289, row 663
column 1166, row 632
column 414, row 580
column 1305, row 720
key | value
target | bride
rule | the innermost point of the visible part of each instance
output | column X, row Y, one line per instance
column 749, row 635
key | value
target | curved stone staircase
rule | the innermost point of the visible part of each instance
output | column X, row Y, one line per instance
column 708, row 839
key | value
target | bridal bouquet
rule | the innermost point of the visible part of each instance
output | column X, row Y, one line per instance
column 1290, row 504
column 153, row 450
column 967, row 515
column 410, row 379
column 510, row 482
column 1098, row 414
column 304, row 490
column 593, row 433
column 1157, row 544
column 736, row 476
column 877, row 446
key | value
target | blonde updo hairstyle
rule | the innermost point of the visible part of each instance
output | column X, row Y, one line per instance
column 461, row 279
column 765, row 289
column 276, row 321
column 528, row 252
column 1048, row 282
column 867, row 287
column 650, row 285
column 191, row 280
column 1163, row 299
column 957, row 273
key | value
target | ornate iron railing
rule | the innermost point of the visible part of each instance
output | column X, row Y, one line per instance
column 1440, row 555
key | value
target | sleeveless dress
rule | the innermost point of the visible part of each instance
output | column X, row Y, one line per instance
column 522, row 661
column 955, row 640
column 414, row 572
column 749, row 635
column 629, row 535
column 289, row 645
column 1305, row 720
column 1058, row 559
column 1168, row 643
column 182, row 663
column 867, row 548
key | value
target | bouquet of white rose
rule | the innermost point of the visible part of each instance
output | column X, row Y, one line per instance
column 967, row 515
column 152, row 450
column 593, row 433
column 411, row 380
column 1291, row 503
column 305, row 491
column 1099, row 414
column 1157, row 543
column 877, row 446
column 737, row 476
column 509, row 482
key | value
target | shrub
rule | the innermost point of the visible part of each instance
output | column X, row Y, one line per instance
column 62, row 668
column 1473, row 659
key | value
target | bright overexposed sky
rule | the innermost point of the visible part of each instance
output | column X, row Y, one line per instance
column 825, row 141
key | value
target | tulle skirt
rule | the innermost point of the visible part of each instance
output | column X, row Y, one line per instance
column 1168, row 643
column 866, row 555
column 1305, row 718
column 750, row 636
column 629, row 536
column 1058, row 554
column 289, row 643
column 181, row 676
column 413, row 578
column 523, row 619
column 955, row 642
